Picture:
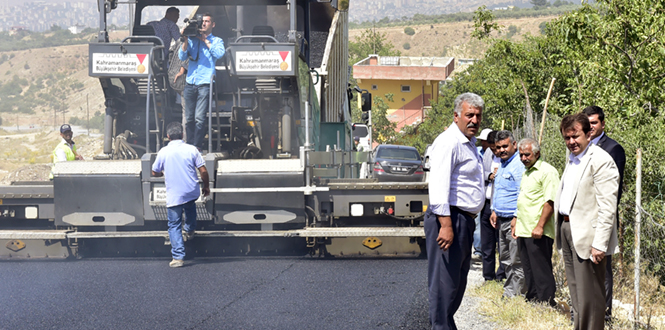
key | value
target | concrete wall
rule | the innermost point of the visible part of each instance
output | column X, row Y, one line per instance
column 403, row 100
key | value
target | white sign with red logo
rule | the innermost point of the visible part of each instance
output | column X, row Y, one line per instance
column 130, row 64
column 263, row 61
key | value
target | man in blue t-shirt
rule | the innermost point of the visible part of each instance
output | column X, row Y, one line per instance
column 504, row 211
column 178, row 163
column 202, row 51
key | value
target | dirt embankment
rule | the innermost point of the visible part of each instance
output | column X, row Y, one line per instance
column 451, row 39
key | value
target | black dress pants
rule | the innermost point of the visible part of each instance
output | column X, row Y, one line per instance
column 536, row 256
column 447, row 270
column 489, row 238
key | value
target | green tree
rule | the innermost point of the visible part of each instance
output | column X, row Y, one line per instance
column 409, row 31
column 483, row 23
column 512, row 30
column 539, row 3
column 383, row 130
column 541, row 27
column 370, row 42
column 406, row 46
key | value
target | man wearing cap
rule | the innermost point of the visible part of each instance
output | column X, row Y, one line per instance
column 477, row 242
column 483, row 141
column 489, row 236
column 66, row 149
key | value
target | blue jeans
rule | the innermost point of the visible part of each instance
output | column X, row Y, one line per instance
column 196, row 112
column 476, row 236
column 174, row 214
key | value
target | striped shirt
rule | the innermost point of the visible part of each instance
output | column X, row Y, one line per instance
column 166, row 30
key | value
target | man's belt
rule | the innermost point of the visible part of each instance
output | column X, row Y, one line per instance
column 468, row 214
column 506, row 219
column 565, row 218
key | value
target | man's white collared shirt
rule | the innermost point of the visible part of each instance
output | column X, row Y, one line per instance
column 568, row 180
column 456, row 175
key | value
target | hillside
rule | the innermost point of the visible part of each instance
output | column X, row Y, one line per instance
column 33, row 142
column 451, row 39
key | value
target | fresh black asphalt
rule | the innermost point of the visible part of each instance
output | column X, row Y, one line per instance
column 215, row 293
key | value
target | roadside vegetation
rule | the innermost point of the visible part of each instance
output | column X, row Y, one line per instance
column 96, row 121
column 542, row 8
column 516, row 313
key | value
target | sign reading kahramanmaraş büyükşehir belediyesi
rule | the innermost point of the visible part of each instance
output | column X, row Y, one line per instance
column 263, row 61
column 114, row 63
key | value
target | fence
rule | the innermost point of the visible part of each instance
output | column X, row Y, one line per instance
column 639, row 269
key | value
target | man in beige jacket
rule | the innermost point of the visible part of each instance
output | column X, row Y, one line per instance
column 586, row 229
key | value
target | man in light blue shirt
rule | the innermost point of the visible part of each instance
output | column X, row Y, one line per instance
column 504, row 211
column 178, row 163
column 456, row 195
column 203, row 52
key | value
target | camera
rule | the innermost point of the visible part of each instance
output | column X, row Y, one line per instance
column 193, row 26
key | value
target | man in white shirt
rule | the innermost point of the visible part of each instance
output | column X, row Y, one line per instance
column 456, row 195
column 178, row 162
column 489, row 236
column 586, row 227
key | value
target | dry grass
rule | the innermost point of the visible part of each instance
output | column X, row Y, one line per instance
column 652, row 298
column 517, row 314
column 451, row 39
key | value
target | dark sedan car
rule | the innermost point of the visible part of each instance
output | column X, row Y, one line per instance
column 393, row 163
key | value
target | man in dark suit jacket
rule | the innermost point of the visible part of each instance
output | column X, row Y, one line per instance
column 598, row 137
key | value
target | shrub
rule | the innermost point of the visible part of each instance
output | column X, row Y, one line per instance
column 512, row 30
column 542, row 26
column 409, row 31
column 406, row 46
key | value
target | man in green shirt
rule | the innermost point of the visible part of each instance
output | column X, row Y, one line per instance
column 534, row 226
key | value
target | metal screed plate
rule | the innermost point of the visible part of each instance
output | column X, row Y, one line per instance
column 110, row 167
